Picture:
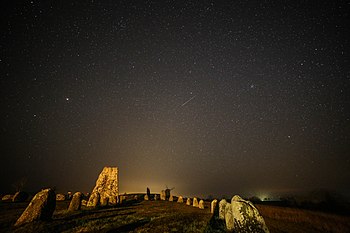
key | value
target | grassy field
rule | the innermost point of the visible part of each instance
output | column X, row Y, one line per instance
column 164, row 216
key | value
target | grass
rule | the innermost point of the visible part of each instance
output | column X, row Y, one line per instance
column 164, row 216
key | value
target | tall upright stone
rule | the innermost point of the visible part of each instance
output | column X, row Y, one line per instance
column 180, row 199
column 75, row 203
column 213, row 206
column 171, row 198
column 195, row 202
column 188, row 202
column 162, row 195
column 41, row 207
column 148, row 191
column 228, row 217
column 222, row 205
column 106, row 189
column 201, row 204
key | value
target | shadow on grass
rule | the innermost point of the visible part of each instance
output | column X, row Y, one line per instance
column 129, row 227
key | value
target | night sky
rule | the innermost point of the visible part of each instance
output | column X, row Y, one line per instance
column 236, row 97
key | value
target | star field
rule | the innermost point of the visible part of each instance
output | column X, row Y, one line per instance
column 211, row 98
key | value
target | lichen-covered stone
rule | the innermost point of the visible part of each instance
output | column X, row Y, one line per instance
column 20, row 196
column 228, row 217
column 60, row 197
column 195, row 202
column 75, row 203
column 201, row 204
column 246, row 217
column 188, row 202
column 106, row 188
column 41, row 207
column 84, row 202
column 162, row 195
column 222, row 205
column 213, row 206
column 146, row 197
column 180, row 199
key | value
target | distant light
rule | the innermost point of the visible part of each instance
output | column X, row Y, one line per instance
column 67, row 98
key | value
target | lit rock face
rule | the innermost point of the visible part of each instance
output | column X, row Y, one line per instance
column 60, row 197
column 213, row 206
column 180, row 199
column 195, row 202
column 201, row 204
column 106, row 188
column 146, row 197
column 7, row 197
column 246, row 217
column 155, row 197
column 222, row 206
column 41, row 207
column 20, row 196
column 171, row 198
column 228, row 217
column 75, row 203
column 162, row 195
column 188, row 202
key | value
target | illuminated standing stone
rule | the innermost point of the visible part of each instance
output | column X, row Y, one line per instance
column 213, row 206
column 201, row 204
column 195, row 202
column 222, row 205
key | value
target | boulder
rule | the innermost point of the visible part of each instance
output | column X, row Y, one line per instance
column 195, row 202
column 167, row 193
column 213, row 205
column 60, row 197
column 7, row 197
column 228, row 217
column 41, row 207
column 69, row 195
column 146, row 197
column 171, row 198
column 106, row 188
column 155, row 197
column 84, row 202
column 148, row 191
column 201, row 204
column 136, row 197
column 180, row 199
column 162, row 195
column 246, row 216
column 188, row 202
column 75, row 203
column 222, row 205
column 20, row 196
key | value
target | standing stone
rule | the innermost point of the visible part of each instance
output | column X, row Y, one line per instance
column 41, row 207
column 20, row 196
column 106, row 188
column 246, row 217
column 213, row 206
column 188, row 202
column 7, row 197
column 222, row 205
column 195, row 202
column 171, row 198
column 201, row 204
column 148, row 191
column 180, row 199
column 162, row 195
column 60, row 197
column 155, row 197
column 228, row 217
column 75, row 203
column 84, row 202
column 146, row 197
column 167, row 193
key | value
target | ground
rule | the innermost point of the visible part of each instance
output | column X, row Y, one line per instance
column 164, row 216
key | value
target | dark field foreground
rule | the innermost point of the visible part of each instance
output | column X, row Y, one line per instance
column 164, row 216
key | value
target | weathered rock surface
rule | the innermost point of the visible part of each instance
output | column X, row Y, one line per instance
column 228, row 217
column 20, row 196
column 146, row 197
column 188, row 202
column 213, row 205
column 195, row 202
column 167, row 193
column 162, row 195
column 171, row 198
column 41, row 207
column 7, row 197
column 75, row 203
column 106, row 188
column 222, row 205
column 84, row 202
column 246, row 217
column 60, row 197
column 148, row 191
column 180, row 199
column 201, row 204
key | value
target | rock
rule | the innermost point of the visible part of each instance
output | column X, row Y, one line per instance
column 122, row 198
column 69, row 195
column 136, row 197
column 60, row 197
column 180, row 199
column 146, row 197
column 106, row 188
column 222, row 205
column 171, row 198
column 188, row 202
column 7, row 197
column 167, row 193
column 213, row 205
column 84, row 202
column 162, row 195
column 246, row 216
column 20, row 196
column 201, row 204
column 75, row 203
column 41, row 207
column 228, row 217
column 155, row 197
column 148, row 191
column 195, row 202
